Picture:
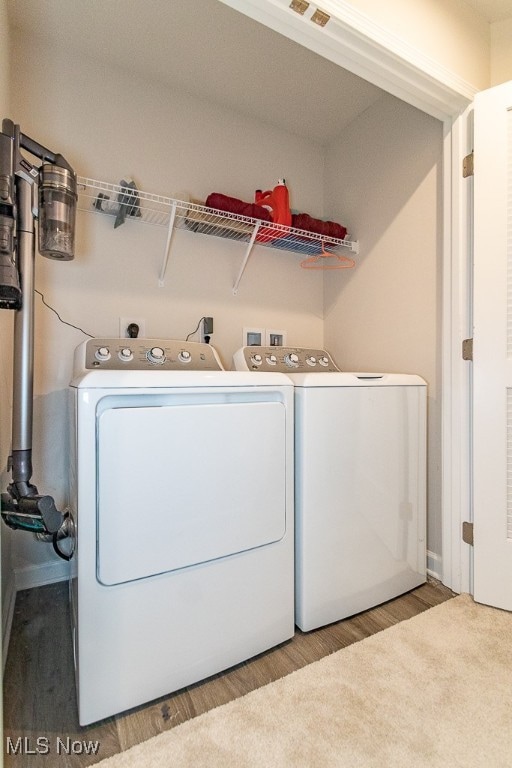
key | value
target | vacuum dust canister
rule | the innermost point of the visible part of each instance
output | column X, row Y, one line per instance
column 57, row 212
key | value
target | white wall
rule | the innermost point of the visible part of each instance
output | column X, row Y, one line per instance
column 384, row 174
column 110, row 125
column 449, row 32
column 501, row 52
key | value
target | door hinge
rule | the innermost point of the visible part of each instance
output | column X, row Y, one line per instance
column 320, row 17
column 299, row 6
column 467, row 349
column 468, row 165
column 467, row 533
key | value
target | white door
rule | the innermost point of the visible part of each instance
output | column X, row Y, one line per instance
column 492, row 353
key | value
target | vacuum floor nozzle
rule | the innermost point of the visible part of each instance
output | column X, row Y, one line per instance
column 31, row 513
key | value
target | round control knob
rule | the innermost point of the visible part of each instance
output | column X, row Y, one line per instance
column 125, row 354
column 292, row 360
column 311, row 360
column 324, row 361
column 256, row 359
column 272, row 360
column 102, row 354
column 185, row 356
column 156, row 355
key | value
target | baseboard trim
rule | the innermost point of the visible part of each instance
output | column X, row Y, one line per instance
column 48, row 573
column 435, row 566
column 39, row 575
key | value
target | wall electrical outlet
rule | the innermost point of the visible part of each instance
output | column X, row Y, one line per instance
column 205, row 328
column 124, row 322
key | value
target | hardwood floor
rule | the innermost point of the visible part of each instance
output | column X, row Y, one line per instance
column 39, row 687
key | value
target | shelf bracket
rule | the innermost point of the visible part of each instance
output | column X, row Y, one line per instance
column 246, row 257
column 170, row 229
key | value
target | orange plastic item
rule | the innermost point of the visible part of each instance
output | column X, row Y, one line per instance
column 277, row 202
column 321, row 261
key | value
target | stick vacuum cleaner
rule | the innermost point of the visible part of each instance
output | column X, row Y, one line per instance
column 22, row 506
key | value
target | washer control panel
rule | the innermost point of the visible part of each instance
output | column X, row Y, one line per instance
column 148, row 354
column 284, row 360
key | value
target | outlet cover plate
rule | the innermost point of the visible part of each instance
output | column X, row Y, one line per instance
column 275, row 338
column 253, row 337
column 124, row 322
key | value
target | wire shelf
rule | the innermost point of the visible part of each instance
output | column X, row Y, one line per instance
column 114, row 199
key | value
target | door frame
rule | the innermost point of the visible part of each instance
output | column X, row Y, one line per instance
column 356, row 43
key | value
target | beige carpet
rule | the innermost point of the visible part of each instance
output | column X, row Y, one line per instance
column 432, row 691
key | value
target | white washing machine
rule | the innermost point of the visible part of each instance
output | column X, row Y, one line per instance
column 182, row 489
column 360, row 482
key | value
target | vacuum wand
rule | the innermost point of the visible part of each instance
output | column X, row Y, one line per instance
column 22, row 506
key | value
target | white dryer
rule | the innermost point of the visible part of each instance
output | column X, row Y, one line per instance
column 182, row 490
column 360, row 482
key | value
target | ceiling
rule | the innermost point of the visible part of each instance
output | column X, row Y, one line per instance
column 206, row 49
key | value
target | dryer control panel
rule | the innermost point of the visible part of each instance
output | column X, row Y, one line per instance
column 284, row 360
column 116, row 354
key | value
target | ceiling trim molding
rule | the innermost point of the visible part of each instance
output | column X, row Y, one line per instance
column 353, row 41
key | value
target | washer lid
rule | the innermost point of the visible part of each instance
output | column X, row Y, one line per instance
column 346, row 379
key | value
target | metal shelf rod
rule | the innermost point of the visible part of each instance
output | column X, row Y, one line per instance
column 170, row 230
column 246, row 258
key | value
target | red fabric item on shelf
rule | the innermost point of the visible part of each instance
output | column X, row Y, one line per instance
column 233, row 205
column 319, row 227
